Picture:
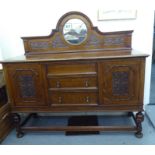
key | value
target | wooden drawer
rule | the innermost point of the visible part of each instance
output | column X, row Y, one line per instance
column 71, row 68
column 73, row 98
column 72, row 82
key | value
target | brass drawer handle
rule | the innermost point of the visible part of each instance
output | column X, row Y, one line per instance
column 60, row 99
column 87, row 84
column 58, row 84
column 87, row 99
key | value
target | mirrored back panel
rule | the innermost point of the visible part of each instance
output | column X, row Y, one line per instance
column 75, row 33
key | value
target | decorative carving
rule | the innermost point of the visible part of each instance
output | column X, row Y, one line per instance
column 26, row 86
column 75, row 28
column 114, row 41
column 120, row 83
column 16, row 120
column 139, row 120
column 38, row 45
column 93, row 40
column 57, row 42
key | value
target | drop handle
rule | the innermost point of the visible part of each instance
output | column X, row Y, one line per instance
column 60, row 99
column 86, row 83
column 87, row 99
column 58, row 84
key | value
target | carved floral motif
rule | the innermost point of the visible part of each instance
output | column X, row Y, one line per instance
column 38, row 45
column 26, row 86
column 93, row 40
column 113, row 41
column 120, row 83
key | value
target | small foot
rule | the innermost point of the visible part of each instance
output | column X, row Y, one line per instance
column 20, row 135
column 139, row 134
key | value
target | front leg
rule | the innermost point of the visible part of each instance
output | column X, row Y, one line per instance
column 139, row 120
column 16, row 120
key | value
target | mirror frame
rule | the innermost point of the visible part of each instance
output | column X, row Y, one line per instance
column 74, row 15
column 72, row 28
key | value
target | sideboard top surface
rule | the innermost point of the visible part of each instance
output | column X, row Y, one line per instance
column 75, row 56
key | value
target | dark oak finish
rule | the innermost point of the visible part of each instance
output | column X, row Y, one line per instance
column 122, row 82
column 82, row 128
column 26, row 81
column 101, row 74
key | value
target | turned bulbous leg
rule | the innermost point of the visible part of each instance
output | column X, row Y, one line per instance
column 16, row 120
column 139, row 120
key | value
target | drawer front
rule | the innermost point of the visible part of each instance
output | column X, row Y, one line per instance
column 73, row 82
column 73, row 98
column 71, row 68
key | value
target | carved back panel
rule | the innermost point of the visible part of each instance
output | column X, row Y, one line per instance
column 95, row 40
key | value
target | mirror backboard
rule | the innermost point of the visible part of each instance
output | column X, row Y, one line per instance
column 75, row 33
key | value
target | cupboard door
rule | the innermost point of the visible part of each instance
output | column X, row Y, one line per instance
column 121, row 82
column 26, row 83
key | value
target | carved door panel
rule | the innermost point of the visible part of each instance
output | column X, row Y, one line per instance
column 120, row 82
column 26, row 84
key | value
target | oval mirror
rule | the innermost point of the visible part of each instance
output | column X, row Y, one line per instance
column 75, row 31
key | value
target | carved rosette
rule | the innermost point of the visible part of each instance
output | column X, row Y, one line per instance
column 120, row 83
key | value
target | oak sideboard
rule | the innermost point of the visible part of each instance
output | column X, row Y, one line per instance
column 77, row 68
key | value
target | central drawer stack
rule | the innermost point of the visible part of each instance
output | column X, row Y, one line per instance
column 72, row 84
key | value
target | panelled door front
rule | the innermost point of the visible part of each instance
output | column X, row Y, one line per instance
column 120, row 82
column 26, row 84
